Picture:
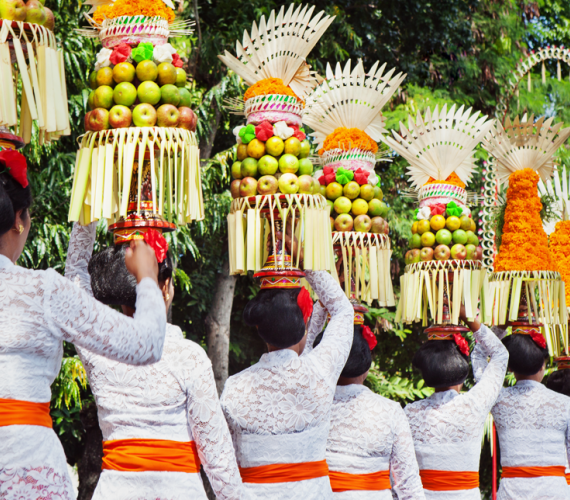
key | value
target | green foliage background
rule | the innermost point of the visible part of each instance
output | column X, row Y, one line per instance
column 454, row 51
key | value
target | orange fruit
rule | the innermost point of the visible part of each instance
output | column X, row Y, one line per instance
column 453, row 223
column 437, row 222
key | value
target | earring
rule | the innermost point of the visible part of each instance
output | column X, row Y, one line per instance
column 167, row 296
column 20, row 229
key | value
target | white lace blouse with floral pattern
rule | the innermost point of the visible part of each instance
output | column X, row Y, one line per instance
column 173, row 399
column 38, row 311
column 278, row 410
column 447, row 427
column 533, row 425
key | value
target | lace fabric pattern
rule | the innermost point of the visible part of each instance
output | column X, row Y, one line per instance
column 173, row 399
column 447, row 427
column 370, row 433
column 286, row 395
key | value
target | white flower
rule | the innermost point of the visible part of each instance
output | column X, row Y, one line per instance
column 103, row 59
column 163, row 53
column 372, row 178
column 466, row 211
column 203, row 401
column 236, row 133
column 298, row 411
column 282, row 130
column 269, row 403
column 318, row 174
column 424, row 213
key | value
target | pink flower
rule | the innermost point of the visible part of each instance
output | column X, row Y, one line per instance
column 156, row 241
column 120, row 54
column 176, row 61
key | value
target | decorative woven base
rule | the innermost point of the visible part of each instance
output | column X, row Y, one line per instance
column 354, row 158
column 273, row 108
column 427, row 286
column 431, row 194
column 133, row 30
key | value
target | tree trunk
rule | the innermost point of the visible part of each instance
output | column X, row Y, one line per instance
column 206, row 147
column 218, row 325
column 89, row 467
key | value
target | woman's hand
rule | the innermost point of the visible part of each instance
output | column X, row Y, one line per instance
column 140, row 260
column 292, row 245
column 474, row 325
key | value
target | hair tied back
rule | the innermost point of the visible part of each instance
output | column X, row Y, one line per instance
column 305, row 303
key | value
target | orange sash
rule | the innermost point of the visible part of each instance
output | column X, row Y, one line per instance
column 447, row 480
column 376, row 481
column 553, row 470
column 14, row 412
column 568, row 479
column 139, row 455
column 284, row 473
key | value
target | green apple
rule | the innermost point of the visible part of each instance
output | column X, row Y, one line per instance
column 362, row 223
column 120, row 117
column 331, row 205
column 322, row 189
column 428, row 239
column 351, row 190
column 125, row 94
column 166, row 74
column 180, row 77
column 459, row 236
column 147, row 71
column 472, row 238
column 367, row 192
column 292, row 146
column 333, row 191
column 385, row 210
column 471, row 252
column 274, row 146
column 305, row 166
column 288, row 183
column 170, row 94
column 185, row 98
column 93, row 80
column 342, row 205
column 144, row 115
column 249, row 167
column 375, row 208
column 458, row 252
column 443, row 237
column 288, row 164
column 415, row 241
column 149, row 92
column 123, row 72
column 305, row 149
column 378, row 194
column 267, row 165
column 103, row 97
column 236, row 170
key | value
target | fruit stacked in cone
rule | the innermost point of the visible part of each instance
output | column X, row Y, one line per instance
column 31, row 12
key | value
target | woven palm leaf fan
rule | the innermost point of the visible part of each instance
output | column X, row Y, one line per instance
column 345, row 114
column 443, row 264
column 525, row 290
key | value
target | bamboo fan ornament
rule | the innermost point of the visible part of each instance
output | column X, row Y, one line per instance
column 137, row 166
column 345, row 114
column 443, row 265
column 273, row 190
column 525, row 290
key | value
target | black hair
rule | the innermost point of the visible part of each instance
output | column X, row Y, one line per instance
column 13, row 198
column 559, row 381
column 277, row 316
column 360, row 357
column 112, row 283
column 526, row 357
column 442, row 363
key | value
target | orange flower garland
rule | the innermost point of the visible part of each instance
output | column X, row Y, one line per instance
column 349, row 138
column 524, row 245
column 453, row 180
column 560, row 251
column 269, row 86
column 149, row 8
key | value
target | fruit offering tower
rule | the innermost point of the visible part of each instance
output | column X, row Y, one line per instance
column 138, row 163
column 525, row 290
column 32, row 72
column 273, row 188
column 345, row 113
column 443, row 267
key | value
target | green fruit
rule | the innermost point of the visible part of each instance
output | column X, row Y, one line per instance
column 385, row 210
column 185, row 98
column 249, row 167
column 236, row 170
column 333, row 191
column 428, row 239
column 103, row 97
column 375, row 208
column 443, row 237
column 180, row 77
column 147, row 71
column 305, row 149
column 288, row 164
column 472, row 238
column 93, row 80
column 459, row 236
column 342, row 205
column 125, row 94
column 465, row 222
column 149, row 92
column 267, row 165
column 170, row 94
column 367, row 192
column 378, row 194
column 124, row 72
column 90, row 100
column 305, row 167
column 166, row 74
column 415, row 241
column 274, row 146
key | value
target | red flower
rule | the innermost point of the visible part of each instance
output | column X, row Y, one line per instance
column 156, row 241
column 438, row 209
column 369, row 337
column 176, row 61
column 330, row 178
column 361, row 176
column 538, row 338
column 264, row 131
column 297, row 133
column 16, row 163
column 120, row 53
column 323, row 180
column 305, row 303
column 461, row 343
column 328, row 170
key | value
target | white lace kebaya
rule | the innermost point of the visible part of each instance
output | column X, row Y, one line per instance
column 174, row 399
column 38, row 311
column 533, row 424
column 447, row 427
column 278, row 410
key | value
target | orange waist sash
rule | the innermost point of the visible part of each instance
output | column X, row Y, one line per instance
column 139, row 455
column 376, row 481
column 568, row 479
column 553, row 470
column 284, row 473
column 446, row 480
column 14, row 412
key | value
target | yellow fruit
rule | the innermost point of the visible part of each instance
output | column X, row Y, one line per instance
column 242, row 152
column 423, row 226
column 256, row 149
column 437, row 222
column 293, row 146
column 415, row 227
column 473, row 226
column 105, row 77
column 359, row 207
column 453, row 223
column 465, row 223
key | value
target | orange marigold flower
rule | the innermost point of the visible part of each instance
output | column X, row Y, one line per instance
column 149, row 8
column 524, row 246
column 453, row 180
column 269, row 86
column 560, row 251
column 349, row 138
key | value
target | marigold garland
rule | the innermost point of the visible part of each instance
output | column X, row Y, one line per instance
column 149, row 8
column 560, row 251
column 347, row 139
column 269, row 86
column 524, row 245
column 453, row 180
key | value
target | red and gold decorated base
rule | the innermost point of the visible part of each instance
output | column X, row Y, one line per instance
column 562, row 362
column 444, row 332
column 9, row 140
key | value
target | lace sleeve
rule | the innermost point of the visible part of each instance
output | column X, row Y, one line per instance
column 334, row 349
column 316, row 324
column 211, row 433
column 77, row 317
column 479, row 356
column 403, row 463
column 79, row 253
column 490, row 376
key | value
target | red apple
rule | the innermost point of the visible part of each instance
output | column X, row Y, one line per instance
column 306, row 184
column 248, row 187
column 13, row 10
column 234, row 188
column 426, row 254
column 479, row 253
column 86, row 122
column 441, row 252
column 167, row 115
column 35, row 12
column 343, row 222
column 362, row 223
column 386, row 227
column 458, row 252
column 99, row 119
column 50, row 22
column 412, row 256
column 377, row 225
column 120, row 117
column 267, row 185
column 188, row 119
column 471, row 252
column 332, row 223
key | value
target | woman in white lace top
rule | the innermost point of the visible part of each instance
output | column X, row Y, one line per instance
column 447, row 427
column 369, row 439
column 173, row 400
column 533, row 423
column 278, row 410
column 38, row 311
